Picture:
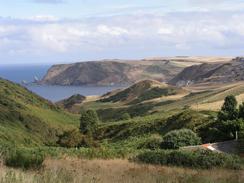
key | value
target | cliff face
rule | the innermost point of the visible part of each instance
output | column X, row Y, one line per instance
column 215, row 73
column 111, row 72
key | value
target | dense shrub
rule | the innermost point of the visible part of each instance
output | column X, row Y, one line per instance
column 23, row 158
column 203, row 159
column 88, row 121
column 153, row 143
column 180, row 138
column 74, row 138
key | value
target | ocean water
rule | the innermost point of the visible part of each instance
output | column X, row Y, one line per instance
column 53, row 93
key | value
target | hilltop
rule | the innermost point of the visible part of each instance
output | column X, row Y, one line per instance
column 121, row 72
column 72, row 103
column 142, row 91
column 219, row 72
column 26, row 118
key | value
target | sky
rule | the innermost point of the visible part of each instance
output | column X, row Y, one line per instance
column 63, row 31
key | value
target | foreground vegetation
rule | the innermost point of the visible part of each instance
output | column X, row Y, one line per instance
column 71, row 170
column 36, row 134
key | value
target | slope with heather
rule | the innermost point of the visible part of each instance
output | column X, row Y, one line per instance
column 28, row 119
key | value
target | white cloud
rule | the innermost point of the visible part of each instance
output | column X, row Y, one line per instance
column 114, row 31
column 49, row 1
column 175, row 32
column 165, row 30
column 43, row 18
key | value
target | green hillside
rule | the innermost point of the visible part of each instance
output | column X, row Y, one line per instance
column 142, row 91
column 28, row 119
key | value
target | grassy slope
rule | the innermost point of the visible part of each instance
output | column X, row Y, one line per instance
column 208, row 99
column 142, row 91
column 28, row 119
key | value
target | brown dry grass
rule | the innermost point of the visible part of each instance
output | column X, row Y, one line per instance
column 215, row 106
column 112, row 171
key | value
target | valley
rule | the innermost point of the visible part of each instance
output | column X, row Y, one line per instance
column 144, row 127
column 122, row 91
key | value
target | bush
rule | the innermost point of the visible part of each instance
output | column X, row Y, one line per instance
column 203, row 159
column 26, row 159
column 88, row 121
column 180, row 138
column 74, row 138
column 152, row 143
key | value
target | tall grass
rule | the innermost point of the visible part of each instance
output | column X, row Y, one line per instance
column 110, row 171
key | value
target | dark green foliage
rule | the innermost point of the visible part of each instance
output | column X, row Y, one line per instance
column 74, row 99
column 202, row 159
column 180, row 138
column 231, row 127
column 211, row 132
column 241, row 111
column 26, row 159
column 229, row 109
column 88, row 121
column 152, row 143
column 229, row 122
column 217, row 131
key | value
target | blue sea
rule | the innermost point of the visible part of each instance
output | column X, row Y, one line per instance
column 53, row 93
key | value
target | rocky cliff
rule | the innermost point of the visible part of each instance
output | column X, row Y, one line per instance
column 111, row 72
column 220, row 72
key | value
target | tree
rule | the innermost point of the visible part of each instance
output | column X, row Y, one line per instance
column 230, row 127
column 229, row 109
column 241, row 111
column 88, row 121
column 179, row 138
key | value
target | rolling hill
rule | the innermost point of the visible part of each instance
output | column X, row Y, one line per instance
column 121, row 72
column 28, row 119
column 220, row 72
column 72, row 103
column 142, row 91
column 149, row 97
